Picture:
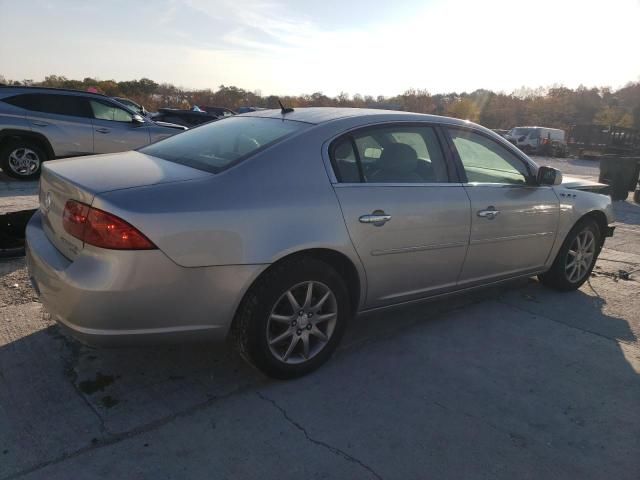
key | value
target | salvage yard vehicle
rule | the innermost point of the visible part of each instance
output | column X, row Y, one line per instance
column 276, row 227
column 593, row 141
column 539, row 140
column 187, row 118
column 39, row 124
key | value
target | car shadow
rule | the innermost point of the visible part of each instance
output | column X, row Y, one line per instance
column 59, row 396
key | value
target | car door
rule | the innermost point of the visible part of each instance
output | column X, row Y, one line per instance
column 63, row 119
column 115, row 129
column 409, row 222
column 514, row 222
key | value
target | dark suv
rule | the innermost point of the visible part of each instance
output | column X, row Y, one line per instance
column 38, row 124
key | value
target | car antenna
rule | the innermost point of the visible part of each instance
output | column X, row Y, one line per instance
column 284, row 110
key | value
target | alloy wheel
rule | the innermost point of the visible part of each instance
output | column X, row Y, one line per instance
column 580, row 256
column 302, row 322
column 24, row 161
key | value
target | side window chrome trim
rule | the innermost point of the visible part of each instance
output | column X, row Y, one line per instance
column 404, row 185
column 502, row 185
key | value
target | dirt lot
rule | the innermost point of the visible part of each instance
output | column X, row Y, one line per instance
column 510, row 382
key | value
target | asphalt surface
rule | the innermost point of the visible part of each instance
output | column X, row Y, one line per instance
column 511, row 382
column 17, row 195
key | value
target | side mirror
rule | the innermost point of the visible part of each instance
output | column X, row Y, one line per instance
column 138, row 119
column 549, row 176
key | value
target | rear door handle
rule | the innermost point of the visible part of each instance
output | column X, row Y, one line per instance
column 102, row 130
column 39, row 123
column 378, row 218
column 490, row 213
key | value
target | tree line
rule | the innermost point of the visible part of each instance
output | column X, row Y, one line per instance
column 555, row 106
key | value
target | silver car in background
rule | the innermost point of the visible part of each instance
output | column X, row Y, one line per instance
column 277, row 227
column 38, row 124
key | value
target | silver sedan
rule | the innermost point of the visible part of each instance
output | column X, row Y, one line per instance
column 276, row 227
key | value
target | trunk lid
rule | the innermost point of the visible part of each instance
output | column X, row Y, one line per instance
column 83, row 178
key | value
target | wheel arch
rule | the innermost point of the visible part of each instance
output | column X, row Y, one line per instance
column 601, row 220
column 11, row 134
column 339, row 261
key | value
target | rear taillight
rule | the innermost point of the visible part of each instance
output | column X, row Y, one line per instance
column 102, row 229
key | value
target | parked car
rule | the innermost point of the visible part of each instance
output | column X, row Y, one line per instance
column 539, row 140
column 249, row 109
column 500, row 131
column 187, row 118
column 39, row 124
column 219, row 112
column 278, row 227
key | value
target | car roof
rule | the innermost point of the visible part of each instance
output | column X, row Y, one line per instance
column 47, row 89
column 318, row 115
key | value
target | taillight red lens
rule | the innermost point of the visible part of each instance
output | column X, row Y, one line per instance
column 102, row 229
column 74, row 218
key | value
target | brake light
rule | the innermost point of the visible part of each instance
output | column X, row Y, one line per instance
column 102, row 229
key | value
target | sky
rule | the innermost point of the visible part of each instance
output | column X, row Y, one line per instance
column 290, row 47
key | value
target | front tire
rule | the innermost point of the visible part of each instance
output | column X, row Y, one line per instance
column 22, row 159
column 576, row 258
column 293, row 318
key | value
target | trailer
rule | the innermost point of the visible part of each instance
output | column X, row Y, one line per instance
column 594, row 141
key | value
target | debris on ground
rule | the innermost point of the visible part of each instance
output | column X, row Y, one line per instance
column 15, row 287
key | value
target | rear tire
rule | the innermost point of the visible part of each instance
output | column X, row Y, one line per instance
column 576, row 258
column 22, row 159
column 287, row 338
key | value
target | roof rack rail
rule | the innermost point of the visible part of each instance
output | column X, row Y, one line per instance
column 56, row 89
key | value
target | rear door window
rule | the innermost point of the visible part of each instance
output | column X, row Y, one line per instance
column 394, row 154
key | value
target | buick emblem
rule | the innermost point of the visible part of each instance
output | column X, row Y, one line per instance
column 47, row 201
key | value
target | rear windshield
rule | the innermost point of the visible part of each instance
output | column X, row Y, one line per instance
column 218, row 145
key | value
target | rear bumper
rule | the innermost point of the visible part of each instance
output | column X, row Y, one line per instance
column 110, row 297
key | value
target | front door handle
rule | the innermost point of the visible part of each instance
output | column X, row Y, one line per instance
column 102, row 130
column 378, row 218
column 39, row 123
column 490, row 213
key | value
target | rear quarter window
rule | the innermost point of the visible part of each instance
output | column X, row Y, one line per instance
column 57, row 104
column 26, row 101
column 219, row 145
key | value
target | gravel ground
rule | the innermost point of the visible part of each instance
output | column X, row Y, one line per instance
column 15, row 287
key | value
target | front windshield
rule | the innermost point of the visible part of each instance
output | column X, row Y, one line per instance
column 217, row 145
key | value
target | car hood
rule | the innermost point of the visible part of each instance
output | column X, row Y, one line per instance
column 578, row 183
column 116, row 171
